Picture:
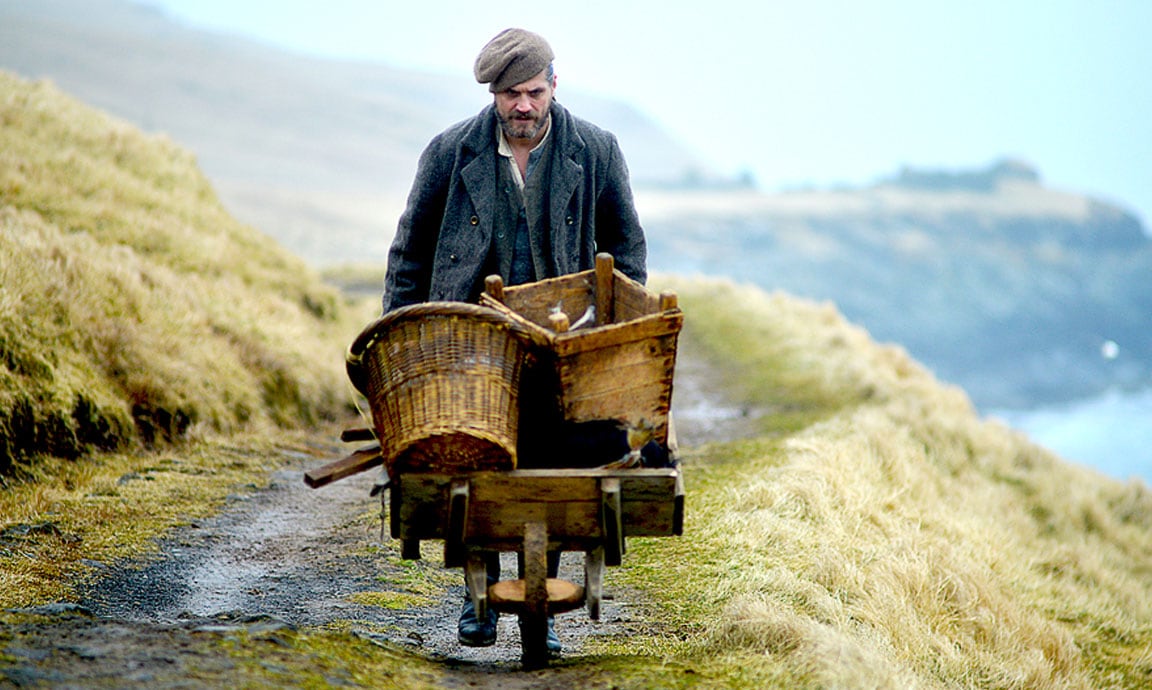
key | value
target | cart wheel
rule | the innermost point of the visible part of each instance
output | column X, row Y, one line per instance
column 534, row 617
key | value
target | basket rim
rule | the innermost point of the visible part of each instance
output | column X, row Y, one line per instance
column 353, row 358
column 421, row 310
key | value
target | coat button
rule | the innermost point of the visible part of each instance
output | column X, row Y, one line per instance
column 454, row 258
column 569, row 220
column 500, row 235
column 474, row 220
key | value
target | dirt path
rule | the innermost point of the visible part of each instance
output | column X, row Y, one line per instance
column 288, row 556
column 301, row 555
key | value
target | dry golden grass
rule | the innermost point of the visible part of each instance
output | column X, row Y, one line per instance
column 900, row 542
column 132, row 306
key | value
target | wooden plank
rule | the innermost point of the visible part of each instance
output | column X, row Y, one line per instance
column 425, row 482
column 559, row 497
column 633, row 300
column 649, row 519
column 359, row 461
column 615, row 374
column 508, row 486
column 642, row 484
column 535, row 301
column 654, row 326
column 357, row 434
column 658, row 352
column 514, row 545
column 567, row 281
column 624, row 401
column 573, row 302
column 605, row 290
column 564, row 520
column 646, row 484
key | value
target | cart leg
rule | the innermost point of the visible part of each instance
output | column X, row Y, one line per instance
column 410, row 549
column 594, row 581
column 534, row 619
column 610, row 519
column 458, row 498
column 476, row 576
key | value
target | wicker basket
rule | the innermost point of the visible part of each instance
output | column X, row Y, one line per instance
column 620, row 366
column 442, row 380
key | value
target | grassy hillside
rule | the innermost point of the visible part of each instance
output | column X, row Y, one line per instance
column 133, row 308
column 896, row 541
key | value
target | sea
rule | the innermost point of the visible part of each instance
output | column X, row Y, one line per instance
column 1111, row 432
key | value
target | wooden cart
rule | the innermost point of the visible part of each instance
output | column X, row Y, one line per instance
column 532, row 512
column 444, row 382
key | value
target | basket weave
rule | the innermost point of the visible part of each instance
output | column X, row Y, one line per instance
column 442, row 380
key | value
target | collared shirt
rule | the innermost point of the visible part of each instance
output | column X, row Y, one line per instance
column 522, row 269
column 505, row 149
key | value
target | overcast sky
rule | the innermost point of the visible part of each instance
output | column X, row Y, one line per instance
column 805, row 91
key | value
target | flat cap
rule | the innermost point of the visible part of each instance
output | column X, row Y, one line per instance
column 512, row 57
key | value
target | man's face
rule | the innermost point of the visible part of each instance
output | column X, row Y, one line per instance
column 523, row 108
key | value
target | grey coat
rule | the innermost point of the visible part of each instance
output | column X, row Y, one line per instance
column 443, row 242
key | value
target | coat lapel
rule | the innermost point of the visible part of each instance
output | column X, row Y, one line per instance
column 567, row 175
column 478, row 177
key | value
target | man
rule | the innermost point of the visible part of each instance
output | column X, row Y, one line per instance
column 525, row 190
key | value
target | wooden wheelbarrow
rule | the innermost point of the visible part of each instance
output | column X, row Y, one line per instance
column 530, row 512
column 429, row 394
column 533, row 512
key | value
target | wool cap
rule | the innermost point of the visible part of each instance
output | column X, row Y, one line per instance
column 512, row 57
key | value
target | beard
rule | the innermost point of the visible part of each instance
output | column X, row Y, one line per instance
column 522, row 126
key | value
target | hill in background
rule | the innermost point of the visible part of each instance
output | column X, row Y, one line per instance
column 1020, row 293
column 317, row 153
